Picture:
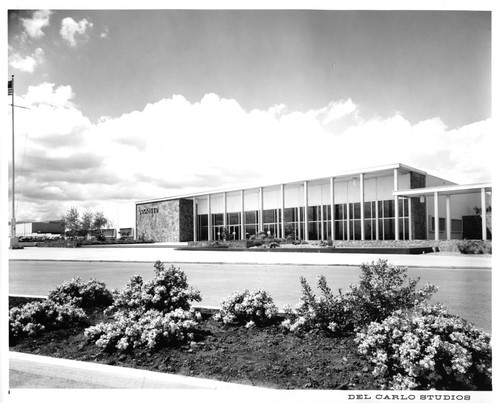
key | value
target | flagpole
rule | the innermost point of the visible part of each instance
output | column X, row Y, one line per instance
column 13, row 239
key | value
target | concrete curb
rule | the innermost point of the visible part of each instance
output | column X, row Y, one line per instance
column 110, row 376
column 28, row 296
column 486, row 264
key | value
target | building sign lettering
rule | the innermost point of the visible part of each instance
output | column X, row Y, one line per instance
column 149, row 210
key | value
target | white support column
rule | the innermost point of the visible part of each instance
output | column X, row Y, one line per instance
column 195, row 220
column 278, row 224
column 348, row 221
column 298, row 221
column 396, row 206
column 332, row 208
column 377, row 228
column 242, row 218
column 322, row 222
column 410, row 225
column 260, row 225
column 436, row 216
column 282, row 188
column 306, row 215
column 362, row 203
column 209, row 218
column 448, row 218
column 224, row 202
column 483, row 214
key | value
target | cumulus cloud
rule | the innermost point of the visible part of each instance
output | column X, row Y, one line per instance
column 45, row 94
column 175, row 146
column 337, row 110
column 26, row 63
column 72, row 30
column 33, row 27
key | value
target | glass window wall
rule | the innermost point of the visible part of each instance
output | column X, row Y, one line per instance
column 272, row 222
column 251, row 223
column 347, row 222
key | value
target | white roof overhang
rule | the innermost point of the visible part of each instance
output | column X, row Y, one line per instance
column 444, row 190
column 384, row 170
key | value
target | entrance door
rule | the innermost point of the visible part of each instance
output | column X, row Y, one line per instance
column 217, row 233
column 234, row 232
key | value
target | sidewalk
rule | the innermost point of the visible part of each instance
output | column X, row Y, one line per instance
column 28, row 371
column 171, row 255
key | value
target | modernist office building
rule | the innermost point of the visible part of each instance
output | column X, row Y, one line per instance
column 23, row 228
column 393, row 202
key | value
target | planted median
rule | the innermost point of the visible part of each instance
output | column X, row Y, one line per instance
column 381, row 333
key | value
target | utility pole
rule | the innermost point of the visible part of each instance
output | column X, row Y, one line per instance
column 13, row 238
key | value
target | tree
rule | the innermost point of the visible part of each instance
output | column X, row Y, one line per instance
column 86, row 223
column 71, row 222
column 100, row 221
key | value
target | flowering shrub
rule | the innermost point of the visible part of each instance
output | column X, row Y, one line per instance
column 150, row 314
column 167, row 291
column 150, row 329
column 90, row 295
column 35, row 317
column 329, row 312
column 428, row 348
column 250, row 307
column 383, row 288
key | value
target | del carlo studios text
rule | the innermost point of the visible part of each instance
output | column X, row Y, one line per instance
column 427, row 397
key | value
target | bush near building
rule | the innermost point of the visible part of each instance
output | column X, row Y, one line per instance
column 474, row 247
column 456, row 245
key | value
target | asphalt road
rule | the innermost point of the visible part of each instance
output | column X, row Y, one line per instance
column 465, row 291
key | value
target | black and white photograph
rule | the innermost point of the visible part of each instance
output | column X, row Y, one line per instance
column 247, row 202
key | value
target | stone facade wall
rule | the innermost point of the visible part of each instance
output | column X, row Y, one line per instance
column 418, row 209
column 165, row 221
column 186, row 220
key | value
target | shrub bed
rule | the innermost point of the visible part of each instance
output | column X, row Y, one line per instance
column 382, row 330
column 438, row 246
column 75, row 243
column 237, row 244
column 427, row 348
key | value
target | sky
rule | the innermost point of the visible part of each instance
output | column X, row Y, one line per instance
column 138, row 104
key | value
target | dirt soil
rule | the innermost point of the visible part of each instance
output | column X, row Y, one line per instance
column 265, row 357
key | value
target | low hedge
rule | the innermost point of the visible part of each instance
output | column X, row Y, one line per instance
column 454, row 245
column 474, row 247
column 238, row 244
column 74, row 243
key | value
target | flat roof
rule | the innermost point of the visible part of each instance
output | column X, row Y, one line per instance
column 371, row 171
column 445, row 190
